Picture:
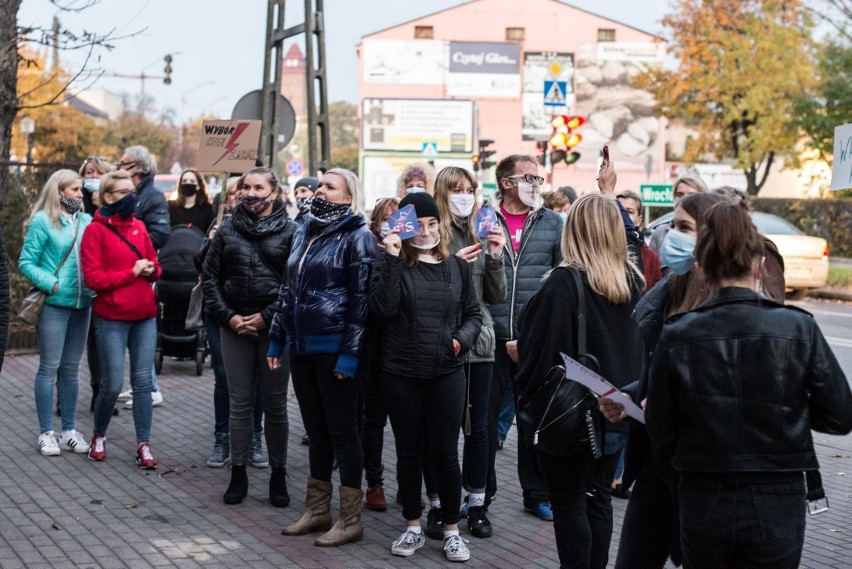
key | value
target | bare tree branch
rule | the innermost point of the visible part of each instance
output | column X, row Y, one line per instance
column 70, row 5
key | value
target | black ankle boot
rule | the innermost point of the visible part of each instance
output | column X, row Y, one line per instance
column 278, row 494
column 238, row 488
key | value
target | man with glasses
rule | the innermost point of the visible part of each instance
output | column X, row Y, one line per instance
column 151, row 207
column 532, row 249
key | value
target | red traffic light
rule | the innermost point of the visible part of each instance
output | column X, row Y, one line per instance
column 575, row 122
column 558, row 121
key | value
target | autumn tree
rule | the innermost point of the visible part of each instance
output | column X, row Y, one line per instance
column 344, row 132
column 741, row 64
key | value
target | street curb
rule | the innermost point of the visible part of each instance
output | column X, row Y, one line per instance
column 832, row 293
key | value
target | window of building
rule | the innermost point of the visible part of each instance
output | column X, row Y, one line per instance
column 514, row 34
column 606, row 35
column 424, row 32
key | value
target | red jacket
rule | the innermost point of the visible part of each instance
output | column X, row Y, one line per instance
column 108, row 268
column 651, row 264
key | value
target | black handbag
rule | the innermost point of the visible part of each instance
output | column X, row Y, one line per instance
column 557, row 417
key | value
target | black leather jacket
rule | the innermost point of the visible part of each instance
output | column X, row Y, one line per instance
column 245, row 263
column 737, row 385
column 322, row 304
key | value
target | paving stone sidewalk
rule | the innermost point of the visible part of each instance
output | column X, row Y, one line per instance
column 68, row 512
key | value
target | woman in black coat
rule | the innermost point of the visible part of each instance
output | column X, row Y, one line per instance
column 429, row 315
column 241, row 276
column 595, row 246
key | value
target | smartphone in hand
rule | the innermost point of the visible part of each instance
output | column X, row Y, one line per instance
column 606, row 153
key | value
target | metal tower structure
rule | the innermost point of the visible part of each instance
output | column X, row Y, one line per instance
column 319, row 141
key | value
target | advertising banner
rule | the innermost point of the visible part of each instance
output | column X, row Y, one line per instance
column 484, row 69
column 408, row 124
column 404, row 62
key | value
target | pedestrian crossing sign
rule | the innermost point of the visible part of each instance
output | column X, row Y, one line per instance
column 555, row 93
column 430, row 150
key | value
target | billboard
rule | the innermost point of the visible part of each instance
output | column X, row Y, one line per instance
column 379, row 174
column 546, row 73
column 483, row 70
column 404, row 62
column 407, row 124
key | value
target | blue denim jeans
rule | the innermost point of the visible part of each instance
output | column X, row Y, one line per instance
column 113, row 338
column 745, row 519
column 221, row 396
column 61, row 340
column 507, row 413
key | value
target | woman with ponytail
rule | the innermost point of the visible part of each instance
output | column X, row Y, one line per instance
column 735, row 388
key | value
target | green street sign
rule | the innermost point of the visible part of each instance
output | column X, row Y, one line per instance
column 657, row 194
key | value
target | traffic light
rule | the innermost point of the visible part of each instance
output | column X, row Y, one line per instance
column 484, row 154
column 563, row 139
column 168, row 69
column 475, row 160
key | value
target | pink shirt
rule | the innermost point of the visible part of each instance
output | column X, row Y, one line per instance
column 516, row 226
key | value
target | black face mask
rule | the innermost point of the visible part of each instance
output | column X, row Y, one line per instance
column 125, row 207
column 71, row 205
column 325, row 212
column 188, row 190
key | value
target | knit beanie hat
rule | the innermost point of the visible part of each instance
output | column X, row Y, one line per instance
column 424, row 205
column 308, row 182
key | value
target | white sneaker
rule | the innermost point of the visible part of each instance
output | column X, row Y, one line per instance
column 156, row 400
column 47, row 444
column 408, row 543
column 455, row 548
column 125, row 395
column 73, row 441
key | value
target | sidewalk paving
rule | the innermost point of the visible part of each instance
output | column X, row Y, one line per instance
column 68, row 512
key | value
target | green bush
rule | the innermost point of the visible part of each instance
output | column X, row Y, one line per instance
column 830, row 219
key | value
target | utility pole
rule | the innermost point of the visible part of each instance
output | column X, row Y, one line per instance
column 319, row 140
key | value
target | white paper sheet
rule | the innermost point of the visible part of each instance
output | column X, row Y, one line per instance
column 575, row 371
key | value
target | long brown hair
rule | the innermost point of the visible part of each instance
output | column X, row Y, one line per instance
column 687, row 291
column 728, row 243
column 447, row 179
column 200, row 196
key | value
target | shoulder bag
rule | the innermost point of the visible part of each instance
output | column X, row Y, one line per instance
column 33, row 300
column 557, row 417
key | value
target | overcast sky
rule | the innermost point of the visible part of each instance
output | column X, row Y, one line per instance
column 218, row 45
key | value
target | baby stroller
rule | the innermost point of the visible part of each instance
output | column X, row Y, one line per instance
column 173, row 291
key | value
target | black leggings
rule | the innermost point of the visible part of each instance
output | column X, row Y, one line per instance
column 412, row 405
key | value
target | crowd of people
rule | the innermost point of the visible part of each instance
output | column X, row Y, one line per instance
column 445, row 333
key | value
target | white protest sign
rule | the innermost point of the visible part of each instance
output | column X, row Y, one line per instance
column 575, row 371
column 841, row 171
column 228, row 146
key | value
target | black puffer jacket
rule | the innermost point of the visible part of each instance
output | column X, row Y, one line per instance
column 4, row 297
column 737, row 385
column 540, row 251
column 153, row 211
column 245, row 264
column 322, row 305
column 421, row 310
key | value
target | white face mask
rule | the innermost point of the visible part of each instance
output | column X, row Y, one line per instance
column 384, row 229
column 414, row 190
column 529, row 194
column 461, row 204
column 425, row 243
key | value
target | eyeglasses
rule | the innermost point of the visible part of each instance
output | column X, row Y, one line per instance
column 119, row 192
column 126, row 165
column 528, row 178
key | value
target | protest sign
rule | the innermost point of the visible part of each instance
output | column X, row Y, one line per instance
column 228, row 146
column 575, row 371
column 486, row 221
column 841, row 171
column 405, row 220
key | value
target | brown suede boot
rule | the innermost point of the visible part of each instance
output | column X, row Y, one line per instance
column 317, row 516
column 348, row 527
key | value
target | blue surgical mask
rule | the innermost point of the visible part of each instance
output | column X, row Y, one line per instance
column 676, row 252
column 564, row 216
column 92, row 185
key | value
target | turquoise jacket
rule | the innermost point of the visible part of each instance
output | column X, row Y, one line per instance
column 45, row 245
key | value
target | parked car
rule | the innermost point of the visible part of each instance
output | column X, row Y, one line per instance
column 166, row 183
column 805, row 257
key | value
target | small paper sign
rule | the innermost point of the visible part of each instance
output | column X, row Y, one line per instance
column 841, row 173
column 405, row 220
column 228, row 146
column 486, row 221
column 575, row 371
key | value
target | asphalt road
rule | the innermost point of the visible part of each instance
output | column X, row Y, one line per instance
column 835, row 320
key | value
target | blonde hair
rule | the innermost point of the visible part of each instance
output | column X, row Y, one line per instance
column 593, row 240
column 693, row 182
column 109, row 181
column 99, row 162
column 447, row 179
column 48, row 200
column 353, row 186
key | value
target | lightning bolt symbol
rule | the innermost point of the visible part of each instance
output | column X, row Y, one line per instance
column 231, row 144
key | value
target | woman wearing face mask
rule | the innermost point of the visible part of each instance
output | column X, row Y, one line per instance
column 119, row 264
column 50, row 259
column 736, row 386
column 322, row 322
column 417, row 177
column 92, row 170
column 650, row 532
column 430, row 318
column 241, row 276
column 304, row 191
column 455, row 194
column 192, row 207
